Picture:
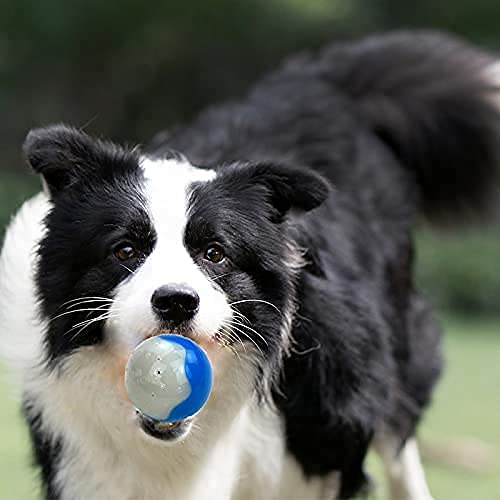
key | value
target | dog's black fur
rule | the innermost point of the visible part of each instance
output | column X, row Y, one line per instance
column 398, row 126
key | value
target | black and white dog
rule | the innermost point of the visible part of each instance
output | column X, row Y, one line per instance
column 275, row 231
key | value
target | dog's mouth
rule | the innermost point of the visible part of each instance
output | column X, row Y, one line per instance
column 207, row 342
column 173, row 431
column 164, row 329
column 164, row 431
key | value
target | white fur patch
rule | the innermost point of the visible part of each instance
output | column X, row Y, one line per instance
column 167, row 194
column 20, row 329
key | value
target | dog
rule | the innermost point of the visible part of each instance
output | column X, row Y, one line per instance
column 276, row 231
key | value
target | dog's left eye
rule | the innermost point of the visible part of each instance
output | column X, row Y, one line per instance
column 125, row 251
column 215, row 253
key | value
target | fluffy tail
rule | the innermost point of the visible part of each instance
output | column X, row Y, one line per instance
column 435, row 101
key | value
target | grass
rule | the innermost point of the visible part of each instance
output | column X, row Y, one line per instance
column 17, row 480
column 466, row 408
column 466, row 405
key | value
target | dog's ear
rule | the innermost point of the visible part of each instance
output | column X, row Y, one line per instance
column 285, row 187
column 64, row 156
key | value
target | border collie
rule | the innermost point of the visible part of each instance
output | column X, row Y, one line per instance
column 285, row 220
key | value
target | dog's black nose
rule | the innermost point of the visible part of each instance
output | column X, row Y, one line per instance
column 175, row 303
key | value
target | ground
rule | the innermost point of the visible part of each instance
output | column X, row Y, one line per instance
column 466, row 408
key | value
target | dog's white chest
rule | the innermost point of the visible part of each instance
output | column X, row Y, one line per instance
column 248, row 462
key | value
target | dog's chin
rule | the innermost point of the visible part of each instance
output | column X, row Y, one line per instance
column 169, row 432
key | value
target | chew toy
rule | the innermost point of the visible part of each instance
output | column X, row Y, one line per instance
column 168, row 378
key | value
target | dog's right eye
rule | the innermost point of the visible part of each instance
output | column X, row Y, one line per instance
column 125, row 251
column 215, row 254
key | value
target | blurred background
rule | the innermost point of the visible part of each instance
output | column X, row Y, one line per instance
column 128, row 69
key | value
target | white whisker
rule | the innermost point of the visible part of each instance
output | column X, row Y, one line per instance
column 127, row 268
column 74, row 311
column 91, row 320
column 86, row 298
column 227, row 343
column 241, row 315
column 255, row 300
column 237, row 323
column 231, row 335
column 87, row 323
column 90, row 301
column 233, row 327
column 221, row 276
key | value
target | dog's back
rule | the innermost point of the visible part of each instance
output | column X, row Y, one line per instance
column 432, row 99
column 405, row 126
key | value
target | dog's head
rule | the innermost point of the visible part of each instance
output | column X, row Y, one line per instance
column 135, row 246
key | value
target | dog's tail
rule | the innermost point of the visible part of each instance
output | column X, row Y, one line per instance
column 435, row 101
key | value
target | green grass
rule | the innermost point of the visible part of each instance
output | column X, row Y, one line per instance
column 466, row 405
column 17, row 480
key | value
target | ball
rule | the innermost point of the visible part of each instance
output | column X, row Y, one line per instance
column 168, row 378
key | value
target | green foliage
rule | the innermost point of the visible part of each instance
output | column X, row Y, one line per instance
column 14, row 189
column 464, row 411
column 129, row 69
column 461, row 271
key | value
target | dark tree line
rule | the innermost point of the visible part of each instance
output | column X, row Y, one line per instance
column 127, row 69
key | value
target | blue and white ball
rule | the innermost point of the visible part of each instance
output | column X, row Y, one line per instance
column 168, row 378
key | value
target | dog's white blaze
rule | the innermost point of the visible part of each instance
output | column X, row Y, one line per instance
column 167, row 193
